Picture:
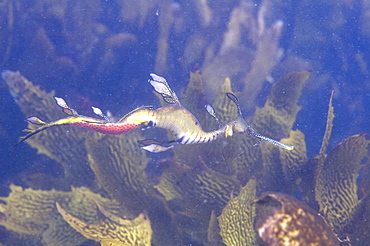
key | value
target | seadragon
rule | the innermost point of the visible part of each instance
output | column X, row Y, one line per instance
column 174, row 117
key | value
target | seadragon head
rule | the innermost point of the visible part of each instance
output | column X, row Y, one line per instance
column 241, row 127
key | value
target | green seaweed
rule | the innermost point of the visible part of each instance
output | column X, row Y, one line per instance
column 58, row 144
column 33, row 212
column 112, row 229
column 187, row 192
column 102, row 48
column 237, row 218
column 336, row 181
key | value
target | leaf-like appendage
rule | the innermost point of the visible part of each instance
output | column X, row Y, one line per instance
column 237, row 218
column 112, row 228
column 30, row 211
column 336, row 181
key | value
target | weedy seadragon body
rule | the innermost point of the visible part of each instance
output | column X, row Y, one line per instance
column 174, row 117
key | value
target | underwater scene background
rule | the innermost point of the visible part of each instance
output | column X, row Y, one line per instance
column 300, row 70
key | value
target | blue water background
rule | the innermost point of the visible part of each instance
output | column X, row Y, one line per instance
column 121, row 90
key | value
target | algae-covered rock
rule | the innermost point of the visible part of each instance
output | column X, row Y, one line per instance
column 283, row 220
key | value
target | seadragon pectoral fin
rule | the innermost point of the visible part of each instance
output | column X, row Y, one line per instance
column 156, row 147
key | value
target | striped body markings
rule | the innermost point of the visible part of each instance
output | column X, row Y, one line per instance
column 183, row 125
column 174, row 118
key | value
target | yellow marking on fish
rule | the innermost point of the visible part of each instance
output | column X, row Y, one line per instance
column 174, row 118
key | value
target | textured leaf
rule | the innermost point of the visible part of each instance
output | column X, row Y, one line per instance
column 62, row 144
column 329, row 125
column 336, row 181
column 111, row 229
column 194, row 191
column 225, row 108
column 29, row 211
column 293, row 161
column 119, row 166
column 237, row 218
column 276, row 118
